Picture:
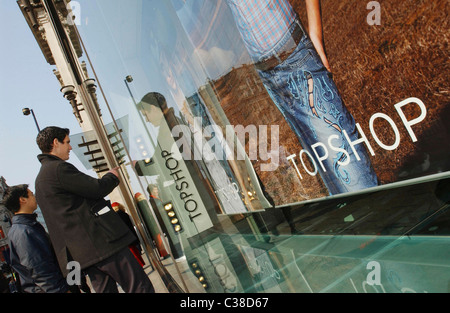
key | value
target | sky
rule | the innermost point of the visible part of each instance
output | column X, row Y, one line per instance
column 26, row 80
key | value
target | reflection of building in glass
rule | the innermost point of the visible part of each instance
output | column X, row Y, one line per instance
column 339, row 242
column 86, row 147
column 232, row 182
column 176, row 176
column 230, row 178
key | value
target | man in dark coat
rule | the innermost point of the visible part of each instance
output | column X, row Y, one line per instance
column 81, row 223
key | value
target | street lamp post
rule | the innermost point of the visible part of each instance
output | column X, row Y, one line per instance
column 27, row 111
column 128, row 80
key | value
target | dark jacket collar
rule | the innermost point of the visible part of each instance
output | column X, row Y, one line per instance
column 45, row 156
column 27, row 219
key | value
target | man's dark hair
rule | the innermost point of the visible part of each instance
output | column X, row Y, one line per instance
column 46, row 136
column 12, row 196
column 154, row 98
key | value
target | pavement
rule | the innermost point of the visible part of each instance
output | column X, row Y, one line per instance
column 191, row 283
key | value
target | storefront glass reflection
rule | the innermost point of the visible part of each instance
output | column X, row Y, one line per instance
column 216, row 131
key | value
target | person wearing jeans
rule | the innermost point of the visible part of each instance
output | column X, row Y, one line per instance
column 295, row 71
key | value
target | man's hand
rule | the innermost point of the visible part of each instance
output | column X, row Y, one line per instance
column 114, row 171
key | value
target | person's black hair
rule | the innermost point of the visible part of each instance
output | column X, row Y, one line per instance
column 154, row 98
column 46, row 136
column 11, row 198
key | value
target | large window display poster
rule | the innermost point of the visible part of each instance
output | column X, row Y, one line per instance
column 325, row 97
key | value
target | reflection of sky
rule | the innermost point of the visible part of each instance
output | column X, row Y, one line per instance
column 211, row 28
column 198, row 38
column 136, row 33
column 111, row 31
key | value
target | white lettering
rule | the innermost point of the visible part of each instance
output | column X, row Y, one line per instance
column 374, row 277
column 274, row 153
column 320, row 157
column 362, row 139
column 374, row 16
column 312, row 160
column 394, row 127
column 291, row 158
column 74, row 276
column 405, row 121
column 347, row 159
column 324, row 157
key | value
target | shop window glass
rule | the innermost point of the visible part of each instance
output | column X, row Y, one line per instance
column 281, row 177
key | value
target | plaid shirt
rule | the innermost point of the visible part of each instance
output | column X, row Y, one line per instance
column 262, row 23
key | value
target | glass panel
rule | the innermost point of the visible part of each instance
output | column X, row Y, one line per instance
column 248, row 159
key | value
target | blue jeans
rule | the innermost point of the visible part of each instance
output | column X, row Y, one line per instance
column 306, row 95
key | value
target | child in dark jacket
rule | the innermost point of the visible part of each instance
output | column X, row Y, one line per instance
column 31, row 255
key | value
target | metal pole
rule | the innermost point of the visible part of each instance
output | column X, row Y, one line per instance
column 35, row 121
column 126, row 80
